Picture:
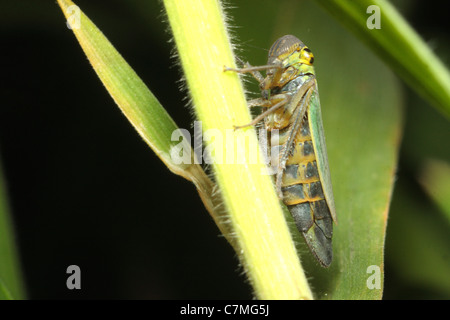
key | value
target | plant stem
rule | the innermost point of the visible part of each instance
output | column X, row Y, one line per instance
column 266, row 249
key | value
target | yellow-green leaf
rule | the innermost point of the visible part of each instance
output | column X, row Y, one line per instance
column 140, row 106
column 398, row 45
column 265, row 245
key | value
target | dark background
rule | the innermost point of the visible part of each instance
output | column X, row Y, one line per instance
column 85, row 189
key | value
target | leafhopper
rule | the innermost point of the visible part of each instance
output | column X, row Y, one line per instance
column 290, row 97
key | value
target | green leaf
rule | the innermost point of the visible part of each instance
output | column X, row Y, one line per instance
column 137, row 103
column 361, row 105
column 141, row 107
column 264, row 243
column 435, row 179
column 418, row 245
column 11, row 286
column 399, row 46
column 362, row 113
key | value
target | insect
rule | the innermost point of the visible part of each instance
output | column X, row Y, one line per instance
column 302, row 179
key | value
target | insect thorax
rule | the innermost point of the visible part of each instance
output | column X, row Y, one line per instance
column 282, row 117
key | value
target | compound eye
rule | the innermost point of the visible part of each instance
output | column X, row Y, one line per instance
column 307, row 56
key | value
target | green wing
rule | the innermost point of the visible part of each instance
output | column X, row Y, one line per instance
column 320, row 149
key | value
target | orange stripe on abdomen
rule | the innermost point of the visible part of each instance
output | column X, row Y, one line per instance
column 302, row 192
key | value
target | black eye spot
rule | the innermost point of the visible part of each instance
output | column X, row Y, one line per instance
column 307, row 55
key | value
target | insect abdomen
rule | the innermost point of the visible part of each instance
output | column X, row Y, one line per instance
column 304, row 197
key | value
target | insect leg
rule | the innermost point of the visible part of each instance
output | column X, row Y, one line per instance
column 256, row 74
column 301, row 98
column 259, row 102
column 272, row 107
column 250, row 69
column 253, row 70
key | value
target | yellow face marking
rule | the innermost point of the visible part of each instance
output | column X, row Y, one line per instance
column 306, row 56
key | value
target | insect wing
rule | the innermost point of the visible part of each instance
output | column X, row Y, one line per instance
column 319, row 235
column 320, row 149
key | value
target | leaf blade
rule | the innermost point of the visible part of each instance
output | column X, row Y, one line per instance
column 11, row 283
column 265, row 245
column 362, row 111
column 399, row 46
column 141, row 108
